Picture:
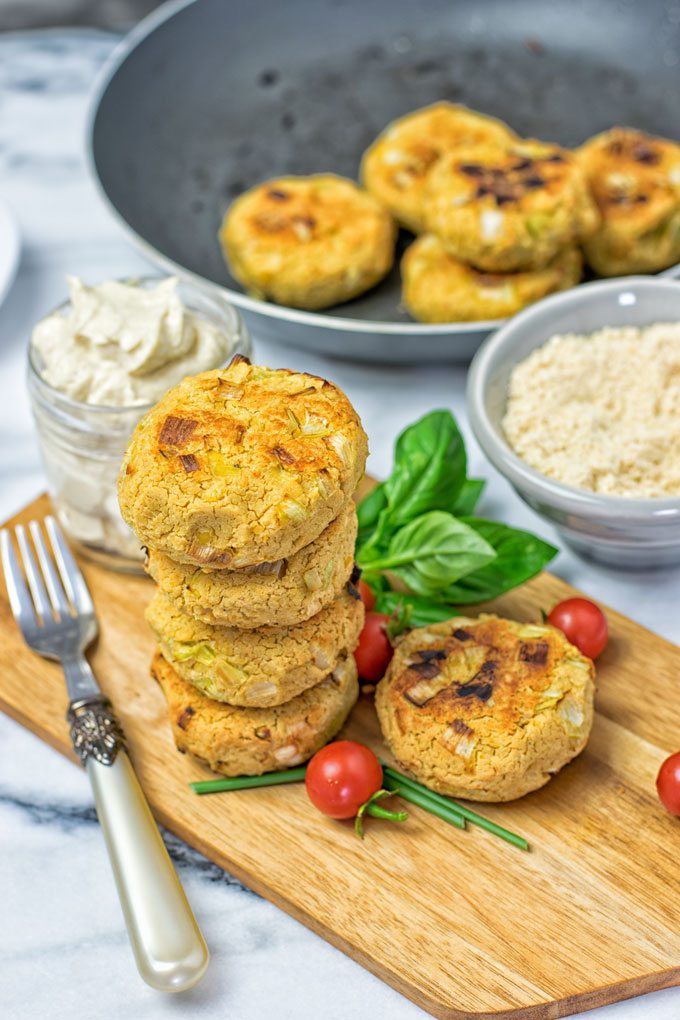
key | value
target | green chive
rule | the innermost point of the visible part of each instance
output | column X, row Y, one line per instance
column 432, row 798
column 442, row 811
column 248, row 782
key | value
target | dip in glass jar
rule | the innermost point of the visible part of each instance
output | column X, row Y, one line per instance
column 96, row 365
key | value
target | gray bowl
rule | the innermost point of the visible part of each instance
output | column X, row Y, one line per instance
column 622, row 532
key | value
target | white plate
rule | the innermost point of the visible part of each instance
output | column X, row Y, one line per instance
column 10, row 249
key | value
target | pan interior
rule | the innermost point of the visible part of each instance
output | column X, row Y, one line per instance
column 221, row 96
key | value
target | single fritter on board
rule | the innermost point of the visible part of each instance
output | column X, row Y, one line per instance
column 258, row 668
column 308, row 242
column 250, row 741
column 282, row 593
column 396, row 167
column 436, row 287
column 512, row 209
column 635, row 179
column 486, row 709
column 242, row 465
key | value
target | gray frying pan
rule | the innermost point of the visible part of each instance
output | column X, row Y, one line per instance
column 204, row 99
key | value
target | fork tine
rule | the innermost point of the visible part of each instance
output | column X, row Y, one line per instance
column 19, row 599
column 35, row 583
column 69, row 571
column 54, row 588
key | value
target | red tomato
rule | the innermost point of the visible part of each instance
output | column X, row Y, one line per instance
column 341, row 777
column 583, row 623
column 668, row 784
column 374, row 650
column 367, row 596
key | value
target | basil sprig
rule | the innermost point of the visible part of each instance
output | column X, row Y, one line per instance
column 418, row 526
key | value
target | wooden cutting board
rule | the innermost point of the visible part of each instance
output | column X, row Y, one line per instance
column 461, row 923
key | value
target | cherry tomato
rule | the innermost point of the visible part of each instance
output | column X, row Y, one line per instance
column 367, row 596
column 583, row 623
column 341, row 777
column 668, row 784
column 374, row 650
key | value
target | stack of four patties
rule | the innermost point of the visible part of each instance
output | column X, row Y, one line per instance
column 240, row 483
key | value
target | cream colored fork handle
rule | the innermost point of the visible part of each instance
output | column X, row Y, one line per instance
column 169, row 948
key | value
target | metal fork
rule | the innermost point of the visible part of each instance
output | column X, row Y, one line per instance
column 54, row 610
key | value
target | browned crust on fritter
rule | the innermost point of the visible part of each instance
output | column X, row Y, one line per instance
column 250, row 741
column 487, row 708
column 635, row 180
column 241, row 465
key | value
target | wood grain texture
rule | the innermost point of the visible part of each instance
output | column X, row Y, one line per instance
column 461, row 923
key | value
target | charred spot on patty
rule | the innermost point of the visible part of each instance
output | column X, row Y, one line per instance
column 643, row 152
column 176, row 431
column 463, row 635
column 189, row 462
column 472, row 169
column 237, row 359
column 426, row 670
column 483, row 690
column 185, row 716
column 535, row 653
column 283, row 456
column 278, row 195
column 432, row 654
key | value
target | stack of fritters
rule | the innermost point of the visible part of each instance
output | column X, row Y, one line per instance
column 240, row 483
column 499, row 218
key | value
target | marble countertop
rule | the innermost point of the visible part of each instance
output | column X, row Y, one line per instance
column 63, row 947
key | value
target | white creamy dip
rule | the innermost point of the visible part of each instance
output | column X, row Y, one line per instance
column 122, row 345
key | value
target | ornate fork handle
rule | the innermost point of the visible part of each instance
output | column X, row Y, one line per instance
column 95, row 731
column 169, row 948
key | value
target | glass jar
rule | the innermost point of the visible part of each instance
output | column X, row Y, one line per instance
column 82, row 445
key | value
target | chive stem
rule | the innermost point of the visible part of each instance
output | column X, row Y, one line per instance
column 249, row 782
column 392, row 777
column 418, row 798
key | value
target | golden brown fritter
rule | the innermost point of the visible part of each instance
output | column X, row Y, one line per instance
column 396, row 168
column 250, row 741
column 635, row 179
column 486, row 709
column 283, row 593
column 509, row 210
column 257, row 668
column 308, row 242
column 241, row 465
column 436, row 287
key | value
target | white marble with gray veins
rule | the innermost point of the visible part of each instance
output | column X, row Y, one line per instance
column 63, row 951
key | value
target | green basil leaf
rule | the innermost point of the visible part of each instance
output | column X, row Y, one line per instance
column 468, row 497
column 368, row 512
column 432, row 552
column 519, row 556
column 429, row 470
column 423, row 611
